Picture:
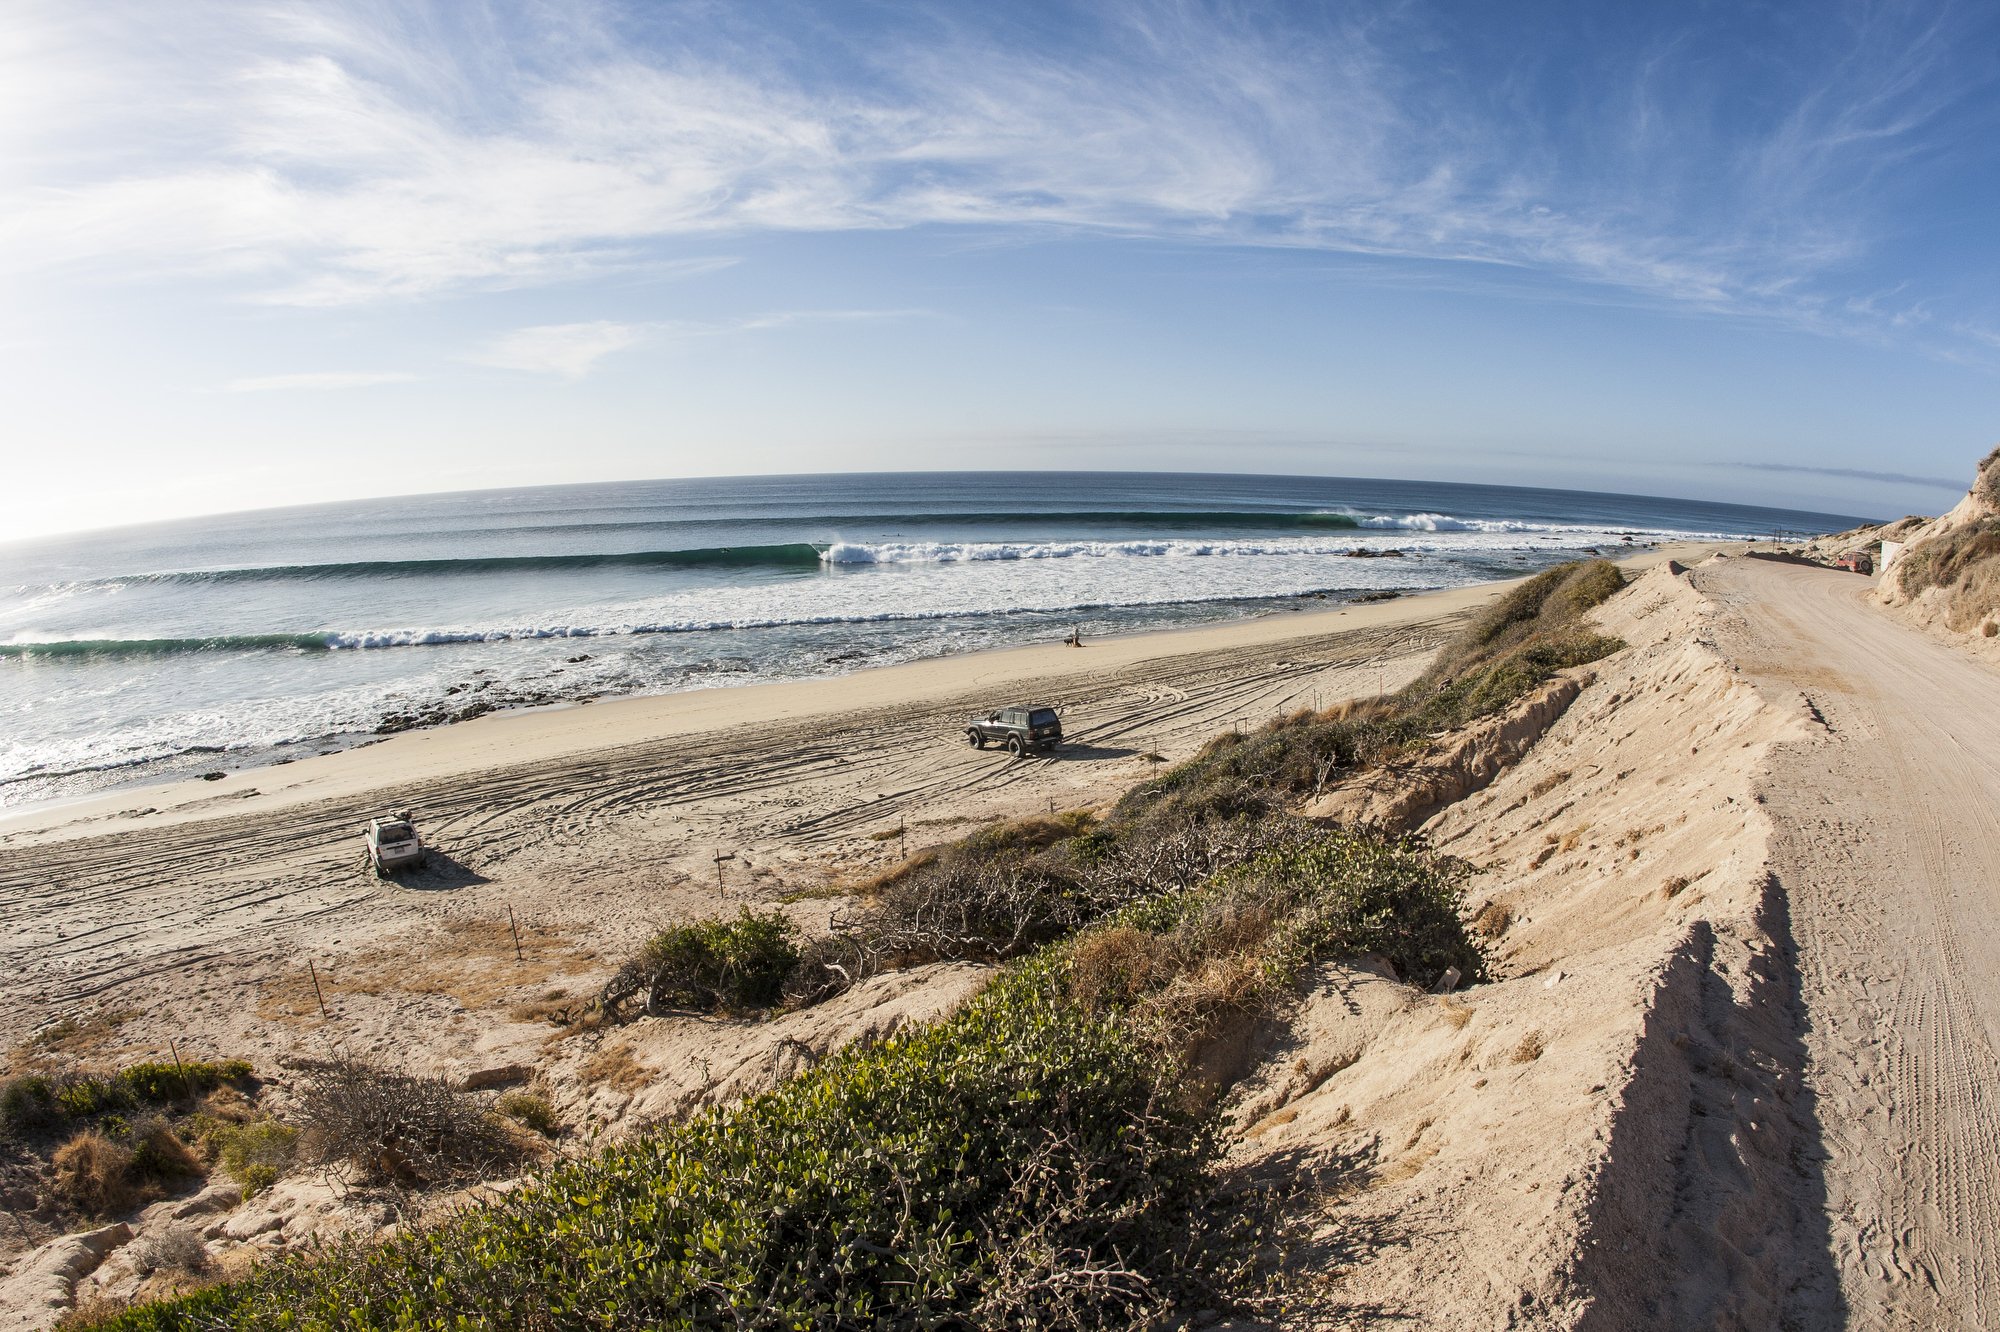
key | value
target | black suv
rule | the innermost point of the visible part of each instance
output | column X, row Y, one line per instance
column 1019, row 728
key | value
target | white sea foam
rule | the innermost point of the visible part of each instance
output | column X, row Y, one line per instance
column 1465, row 535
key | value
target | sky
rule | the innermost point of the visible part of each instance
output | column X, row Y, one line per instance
column 256, row 254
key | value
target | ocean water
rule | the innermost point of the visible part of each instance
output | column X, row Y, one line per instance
column 153, row 652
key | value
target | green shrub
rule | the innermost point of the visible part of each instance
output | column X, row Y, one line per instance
column 709, row 964
column 264, row 1148
column 530, row 1111
column 1359, row 894
column 28, row 1104
column 89, row 1096
column 257, row 1178
column 156, row 1083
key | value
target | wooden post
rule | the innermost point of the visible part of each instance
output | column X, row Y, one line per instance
column 179, row 1067
column 313, row 971
column 514, row 930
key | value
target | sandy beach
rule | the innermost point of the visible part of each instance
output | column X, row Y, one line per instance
column 183, row 906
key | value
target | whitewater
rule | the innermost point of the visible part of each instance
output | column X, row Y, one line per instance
column 145, row 653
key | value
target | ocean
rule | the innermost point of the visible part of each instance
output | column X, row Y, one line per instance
column 147, row 653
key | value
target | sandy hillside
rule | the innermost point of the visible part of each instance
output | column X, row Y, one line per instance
column 1738, row 1067
column 1525, row 1153
column 1948, row 576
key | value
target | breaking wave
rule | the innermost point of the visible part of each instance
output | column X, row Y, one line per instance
column 803, row 556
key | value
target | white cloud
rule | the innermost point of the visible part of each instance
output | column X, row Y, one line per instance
column 332, row 154
column 570, row 351
column 325, row 379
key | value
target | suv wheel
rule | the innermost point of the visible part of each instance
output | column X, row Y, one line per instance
column 1014, row 746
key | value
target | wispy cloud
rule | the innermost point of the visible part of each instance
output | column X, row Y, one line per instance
column 330, row 154
column 1858, row 474
column 569, row 351
column 317, row 380
column 572, row 351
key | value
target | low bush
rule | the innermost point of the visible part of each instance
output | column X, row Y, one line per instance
column 256, row 1153
column 1014, row 1165
column 706, row 965
column 28, row 1104
column 159, row 1155
column 530, row 1111
column 395, row 1127
column 1177, row 965
column 176, row 1248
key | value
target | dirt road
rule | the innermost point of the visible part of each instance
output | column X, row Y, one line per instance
column 1888, row 847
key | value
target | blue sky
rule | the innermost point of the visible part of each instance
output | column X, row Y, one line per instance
column 272, row 253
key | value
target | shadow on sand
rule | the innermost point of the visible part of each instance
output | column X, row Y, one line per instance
column 439, row 873
column 1711, row 1210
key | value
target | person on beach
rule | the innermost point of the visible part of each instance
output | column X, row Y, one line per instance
column 1076, row 636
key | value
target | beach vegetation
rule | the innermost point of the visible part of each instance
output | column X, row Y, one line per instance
column 176, row 1248
column 709, row 965
column 1965, row 563
column 1987, row 485
column 256, row 1154
column 392, row 1127
column 93, row 1175
column 38, row 1103
column 531, row 1111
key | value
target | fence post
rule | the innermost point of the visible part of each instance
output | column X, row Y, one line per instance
column 179, row 1067
column 319, row 994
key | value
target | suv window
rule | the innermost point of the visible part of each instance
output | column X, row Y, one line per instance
column 1042, row 717
column 1010, row 716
